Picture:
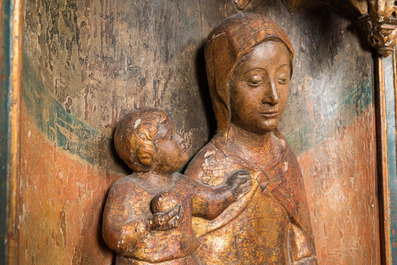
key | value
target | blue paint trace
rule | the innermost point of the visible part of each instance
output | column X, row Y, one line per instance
column 352, row 105
column 60, row 127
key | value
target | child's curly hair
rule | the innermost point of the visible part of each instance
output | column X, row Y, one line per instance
column 134, row 137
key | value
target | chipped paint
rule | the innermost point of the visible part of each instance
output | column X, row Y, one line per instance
column 84, row 68
column 139, row 121
column 70, row 195
column 342, row 198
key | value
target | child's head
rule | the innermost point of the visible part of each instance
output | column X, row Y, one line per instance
column 146, row 140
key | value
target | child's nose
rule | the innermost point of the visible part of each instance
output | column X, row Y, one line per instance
column 181, row 140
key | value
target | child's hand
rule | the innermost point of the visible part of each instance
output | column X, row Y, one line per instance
column 166, row 209
column 164, row 201
column 239, row 183
column 166, row 220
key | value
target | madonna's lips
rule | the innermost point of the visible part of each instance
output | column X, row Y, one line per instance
column 270, row 114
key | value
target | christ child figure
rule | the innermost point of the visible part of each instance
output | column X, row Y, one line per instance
column 148, row 214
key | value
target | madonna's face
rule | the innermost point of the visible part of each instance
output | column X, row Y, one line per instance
column 260, row 87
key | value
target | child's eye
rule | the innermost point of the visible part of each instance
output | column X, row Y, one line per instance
column 169, row 135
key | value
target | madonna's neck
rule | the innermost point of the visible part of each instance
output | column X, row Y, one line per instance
column 248, row 139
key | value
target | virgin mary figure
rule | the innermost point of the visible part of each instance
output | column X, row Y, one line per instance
column 249, row 67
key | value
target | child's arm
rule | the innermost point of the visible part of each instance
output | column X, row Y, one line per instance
column 209, row 203
column 125, row 222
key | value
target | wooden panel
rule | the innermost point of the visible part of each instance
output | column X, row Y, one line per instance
column 352, row 8
column 297, row 5
column 86, row 63
column 330, row 124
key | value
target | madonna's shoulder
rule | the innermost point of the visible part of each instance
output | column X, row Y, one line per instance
column 284, row 148
column 290, row 155
column 195, row 167
column 208, row 148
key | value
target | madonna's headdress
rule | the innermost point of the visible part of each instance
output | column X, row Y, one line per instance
column 232, row 38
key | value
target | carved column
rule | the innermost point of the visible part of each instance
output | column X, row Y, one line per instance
column 386, row 123
column 380, row 25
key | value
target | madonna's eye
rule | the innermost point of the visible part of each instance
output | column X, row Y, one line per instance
column 283, row 79
column 171, row 136
column 255, row 80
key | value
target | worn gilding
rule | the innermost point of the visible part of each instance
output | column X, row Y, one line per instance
column 88, row 59
column 380, row 24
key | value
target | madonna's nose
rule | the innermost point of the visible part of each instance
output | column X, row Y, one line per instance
column 270, row 94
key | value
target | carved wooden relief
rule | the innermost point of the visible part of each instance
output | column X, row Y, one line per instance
column 69, row 151
column 249, row 67
column 381, row 25
column 148, row 214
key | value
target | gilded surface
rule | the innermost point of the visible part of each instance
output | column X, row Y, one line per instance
column 329, row 121
column 148, row 214
column 381, row 25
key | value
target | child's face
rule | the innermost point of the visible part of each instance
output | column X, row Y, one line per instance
column 170, row 149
